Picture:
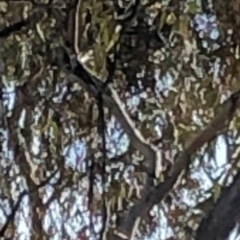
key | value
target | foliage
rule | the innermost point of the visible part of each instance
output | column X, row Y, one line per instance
column 101, row 91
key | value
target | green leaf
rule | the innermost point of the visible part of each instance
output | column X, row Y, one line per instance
column 216, row 191
column 193, row 7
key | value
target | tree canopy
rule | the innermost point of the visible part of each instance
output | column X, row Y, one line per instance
column 119, row 119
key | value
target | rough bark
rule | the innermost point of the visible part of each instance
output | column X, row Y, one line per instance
column 224, row 215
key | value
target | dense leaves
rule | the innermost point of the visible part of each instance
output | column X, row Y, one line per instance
column 101, row 91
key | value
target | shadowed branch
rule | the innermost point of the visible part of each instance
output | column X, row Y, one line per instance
column 11, row 216
column 155, row 194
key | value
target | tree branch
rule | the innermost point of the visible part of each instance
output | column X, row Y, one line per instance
column 114, row 104
column 33, row 17
column 155, row 194
column 224, row 215
column 11, row 216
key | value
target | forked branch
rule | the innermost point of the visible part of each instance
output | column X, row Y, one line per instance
column 158, row 193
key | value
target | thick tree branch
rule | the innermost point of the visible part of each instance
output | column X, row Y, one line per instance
column 114, row 104
column 159, row 192
column 155, row 194
column 224, row 215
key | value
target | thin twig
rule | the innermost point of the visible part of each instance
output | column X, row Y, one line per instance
column 11, row 216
